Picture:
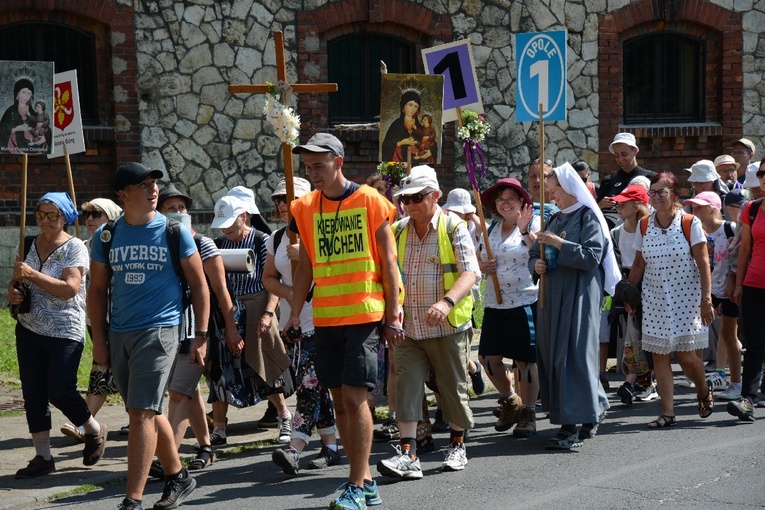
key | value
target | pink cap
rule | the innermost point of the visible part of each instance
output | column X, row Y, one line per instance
column 706, row 198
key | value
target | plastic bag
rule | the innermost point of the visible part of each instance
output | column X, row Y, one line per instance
column 634, row 360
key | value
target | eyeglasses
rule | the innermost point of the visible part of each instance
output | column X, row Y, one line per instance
column 760, row 174
column 278, row 199
column 416, row 198
column 508, row 200
column 96, row 215
column 739, row 153
column 52, row 216
column 661, row 192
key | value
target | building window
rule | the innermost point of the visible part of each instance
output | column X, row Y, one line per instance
column 663, row 79
column 354, row 64
column 67, row 47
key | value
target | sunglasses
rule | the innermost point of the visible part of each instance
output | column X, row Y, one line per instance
column 760, row 174
column 52, row 216
column 416, row 198
column 96, row 215
column 280, row 199
column 547, row 161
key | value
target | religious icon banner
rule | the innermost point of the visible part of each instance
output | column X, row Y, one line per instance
column 26, row 100
column 411, row 113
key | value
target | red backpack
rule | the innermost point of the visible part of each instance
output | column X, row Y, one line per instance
column 685, row 224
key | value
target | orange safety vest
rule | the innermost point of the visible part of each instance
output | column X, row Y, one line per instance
column 341, row 244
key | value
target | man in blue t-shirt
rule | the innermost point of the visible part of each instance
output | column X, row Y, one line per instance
column 144, row 325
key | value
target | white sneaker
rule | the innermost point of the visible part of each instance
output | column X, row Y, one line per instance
column 285, row 430
column 400, row 465
column 718, row 382
column 74, row 432
column 730, row 394
column 648, row 394
column 686, row 383
column 456, row 458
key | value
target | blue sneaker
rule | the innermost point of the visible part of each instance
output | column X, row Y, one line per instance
column 352, row 498
column 371, row 494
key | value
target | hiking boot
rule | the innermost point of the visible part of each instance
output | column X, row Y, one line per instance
column 287, row 459
column 270, row 419
column 476, row 379
column 401, row 465
column 95, row 444
column 326, row 457
column 285, row 430
column 388, row 431
column 177, row 489
column 626, row 393
column 511, row 406
column 352, row 498
column 36, row 467
column 742, row 408
column 372, row 494
column 216, row 439
column 527, row 423
column 129, row 504
column 731, row 393
column 439, row 424
column 456, row 458
column 74, row 432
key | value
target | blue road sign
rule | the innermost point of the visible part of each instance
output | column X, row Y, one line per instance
column 540, row 70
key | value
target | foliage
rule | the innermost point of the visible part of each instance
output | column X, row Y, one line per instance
column 473, row 127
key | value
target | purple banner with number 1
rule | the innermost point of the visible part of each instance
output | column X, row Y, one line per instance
column 455, row 62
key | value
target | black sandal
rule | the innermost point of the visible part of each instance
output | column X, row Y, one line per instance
column 662, row 421
column 205, row 457
column 707, row 403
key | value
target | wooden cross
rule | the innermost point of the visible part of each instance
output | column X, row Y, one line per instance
column 281, row 74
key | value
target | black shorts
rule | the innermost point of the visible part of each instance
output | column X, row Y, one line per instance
column 729, row 308
column 510, row 333
column 347, row 355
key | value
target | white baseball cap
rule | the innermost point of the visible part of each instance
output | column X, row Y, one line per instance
column 627, row 138
column 703, row 171
column 246, row 196
column 751, row 180
column 227, row 210
column 420, row 178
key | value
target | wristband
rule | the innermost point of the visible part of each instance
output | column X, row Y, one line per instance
column 449, row 300
column 202, row 334
column 525, row 233
column 269, row 313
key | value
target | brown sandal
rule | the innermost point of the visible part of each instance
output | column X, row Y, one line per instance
column 662, row 421
column 707, row 403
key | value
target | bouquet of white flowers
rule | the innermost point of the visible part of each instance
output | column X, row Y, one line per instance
column 283, row 118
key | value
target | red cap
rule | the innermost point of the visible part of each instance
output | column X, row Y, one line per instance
column 634, row 192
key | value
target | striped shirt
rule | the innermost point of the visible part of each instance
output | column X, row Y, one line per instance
column 244, row 284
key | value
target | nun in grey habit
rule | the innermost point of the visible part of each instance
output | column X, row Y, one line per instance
column 567, row 326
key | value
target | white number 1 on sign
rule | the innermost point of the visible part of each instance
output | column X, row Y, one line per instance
column 540, row 68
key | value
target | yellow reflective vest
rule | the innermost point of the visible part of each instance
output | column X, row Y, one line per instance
column 447, row 224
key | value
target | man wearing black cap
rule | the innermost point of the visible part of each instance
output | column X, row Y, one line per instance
column 348, row 249
column 144, row 325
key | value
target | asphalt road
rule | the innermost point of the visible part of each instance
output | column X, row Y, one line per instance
column 714, row 463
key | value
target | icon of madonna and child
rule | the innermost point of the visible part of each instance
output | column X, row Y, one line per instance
column 25, row 126
column 410, row 118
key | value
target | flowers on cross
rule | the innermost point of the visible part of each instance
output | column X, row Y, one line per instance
column 392, row 172
column 474, row 127
column 283, row 118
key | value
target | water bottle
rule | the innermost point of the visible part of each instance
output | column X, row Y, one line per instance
column 711, row 251
column 551, row 256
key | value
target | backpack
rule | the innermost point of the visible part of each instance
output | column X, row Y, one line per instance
column 174, row 245
column 685, row 223
column 753, row 210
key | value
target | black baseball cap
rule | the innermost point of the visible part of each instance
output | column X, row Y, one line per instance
column 321, row 142
column 170, row 191
column 134, row 173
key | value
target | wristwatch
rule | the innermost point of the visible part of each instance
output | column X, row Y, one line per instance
column 268, row 312
column 200, row 334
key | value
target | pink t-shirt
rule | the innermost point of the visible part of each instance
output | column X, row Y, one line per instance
column 755, row 273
